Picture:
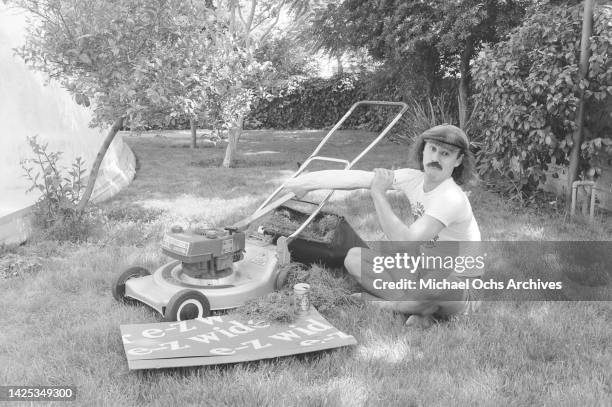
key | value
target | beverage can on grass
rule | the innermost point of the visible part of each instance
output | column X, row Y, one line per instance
column 301, row 294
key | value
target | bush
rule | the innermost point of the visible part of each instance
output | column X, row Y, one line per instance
column 314, row 103
column 429, row 103
column 421, row 116
column 55, row 211
column 527, row 89
column 318, row 103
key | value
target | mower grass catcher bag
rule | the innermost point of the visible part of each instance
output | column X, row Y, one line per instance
column 326, row 240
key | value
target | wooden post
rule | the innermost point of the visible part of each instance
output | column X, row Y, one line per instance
column 585, row 53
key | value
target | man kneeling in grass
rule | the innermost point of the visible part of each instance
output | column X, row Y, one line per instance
column 441, row 211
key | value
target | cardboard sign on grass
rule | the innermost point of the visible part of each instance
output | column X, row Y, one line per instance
column 226, row 339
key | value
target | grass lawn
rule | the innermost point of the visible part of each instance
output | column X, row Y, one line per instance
column 61, row 324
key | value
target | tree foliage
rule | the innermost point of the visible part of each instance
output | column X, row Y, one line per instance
column 109, row 53
column 289, row 57
column 327, row 30
column 425, row 37
column 528, row 89
column 237, row 75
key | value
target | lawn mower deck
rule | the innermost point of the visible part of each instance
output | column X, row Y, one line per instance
column 254, row 276
column 212, row 270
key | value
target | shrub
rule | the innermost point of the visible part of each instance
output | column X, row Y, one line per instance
column 313, row 103
column 428, row 102
column 318, row 103
column 527, row 89
column 421, row 116
column 55, row 211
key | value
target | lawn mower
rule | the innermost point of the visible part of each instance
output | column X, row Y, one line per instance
column 219, row 269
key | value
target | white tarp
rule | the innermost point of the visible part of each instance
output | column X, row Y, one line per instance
column 28, row 108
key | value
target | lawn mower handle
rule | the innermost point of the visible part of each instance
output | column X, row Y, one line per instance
column 348, row 164
column 404, row 107
column 267, row 206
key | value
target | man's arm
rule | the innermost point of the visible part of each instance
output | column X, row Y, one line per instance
column 423, row 229
column 330, row 179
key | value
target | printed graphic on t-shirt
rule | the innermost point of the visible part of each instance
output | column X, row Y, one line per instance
column 418, row 210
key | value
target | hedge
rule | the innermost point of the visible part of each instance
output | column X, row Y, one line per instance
column 318, row 103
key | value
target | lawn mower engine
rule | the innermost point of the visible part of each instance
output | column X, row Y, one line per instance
column 204, row 253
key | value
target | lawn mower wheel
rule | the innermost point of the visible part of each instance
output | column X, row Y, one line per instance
column 119, row 286
column 187, row 304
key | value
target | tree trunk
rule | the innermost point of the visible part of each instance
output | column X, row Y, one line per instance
column 232, row 146
column 193, row 126
column 339, row 61
column 464, row 82
column 585, row 53
column 93, row 174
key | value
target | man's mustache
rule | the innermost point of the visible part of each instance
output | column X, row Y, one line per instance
column 434, row 164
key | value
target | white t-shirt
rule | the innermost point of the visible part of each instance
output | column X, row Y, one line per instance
column 447, row 203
